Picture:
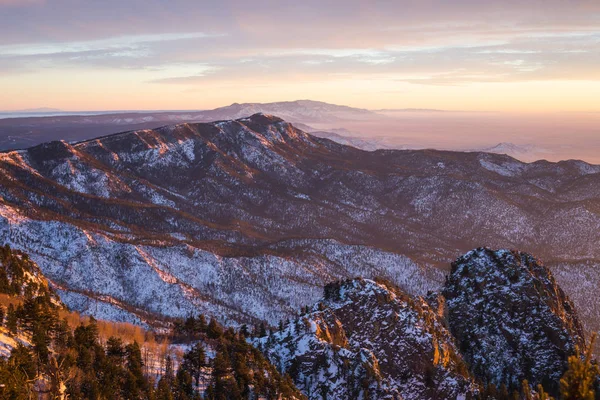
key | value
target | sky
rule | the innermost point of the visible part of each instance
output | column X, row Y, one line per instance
column 476, row 55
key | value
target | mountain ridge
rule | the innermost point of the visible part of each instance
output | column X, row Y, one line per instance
column 500, row 325
column 218, row 199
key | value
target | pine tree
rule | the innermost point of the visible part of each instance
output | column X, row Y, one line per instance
column 221, row 368
column 193, row 362
column 527, row 395
column 63, row 337
column 578, row 382
column 189, row 327
column 115, row 350
column 263, row 330
column 22, row 360
column 11, row 319
column 17, row 373
column 164, row 391
column 503, row 391
column 214, row 330
column 168, row 368
column 209, row 394
column 201, row 323
column 41, row 340
column 185, row 390
column 136, row 381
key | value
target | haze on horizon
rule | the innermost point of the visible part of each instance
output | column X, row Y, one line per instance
column 534, row 56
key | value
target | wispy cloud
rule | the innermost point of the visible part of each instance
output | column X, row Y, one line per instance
column 111, row 43
column 185, row 43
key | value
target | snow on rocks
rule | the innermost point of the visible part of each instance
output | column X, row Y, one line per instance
column 369, row 340
column 511, row 319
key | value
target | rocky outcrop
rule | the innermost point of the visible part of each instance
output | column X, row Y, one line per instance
column 511, row 319
column 369, row 340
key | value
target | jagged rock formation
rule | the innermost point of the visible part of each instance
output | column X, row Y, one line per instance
column 210, row 215
column 369, row 340
column 511, row 318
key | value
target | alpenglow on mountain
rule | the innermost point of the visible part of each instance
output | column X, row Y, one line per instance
column 363, row 339
column 248, row 219
column 23, row 131
column 499, row 321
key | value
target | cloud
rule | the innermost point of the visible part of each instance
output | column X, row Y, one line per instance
column 20, row 3
column 184, row 43
column 119, row 42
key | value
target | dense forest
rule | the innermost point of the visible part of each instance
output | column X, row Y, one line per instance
column 58, row 354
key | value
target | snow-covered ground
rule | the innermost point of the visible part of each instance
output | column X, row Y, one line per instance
column 112, row 280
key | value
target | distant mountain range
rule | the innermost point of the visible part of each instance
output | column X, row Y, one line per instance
column 31, row 127
column 247, row 219
column 305, row 111
column 29, row 130
column 394, row 110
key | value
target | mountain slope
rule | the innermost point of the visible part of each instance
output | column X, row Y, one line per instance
column 25, row 131
column 24, row 293
column 211, row 215
column 48, row 352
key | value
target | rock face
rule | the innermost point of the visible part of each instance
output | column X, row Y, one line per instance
column 511, row 319
column 369, row 340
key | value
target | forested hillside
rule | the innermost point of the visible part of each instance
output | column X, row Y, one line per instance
column 51, row 352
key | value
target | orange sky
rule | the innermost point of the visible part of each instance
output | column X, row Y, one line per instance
column 542, row 56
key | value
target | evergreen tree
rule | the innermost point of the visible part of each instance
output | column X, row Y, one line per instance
column 168, row 375
column 134, row 365
column 115, row 350
column 63, row 337
column 263, row 330
column 189, row 327
column 542, row 395
column 221, row 369
column 193, row 362
column 201, row 323
column 17, row 374
column 527, row 395
column 164, row 390
column 11, row 319
column 578, row 382
column 21, row 359
column 214, row 330
column 184, row 387
column 41, row 340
